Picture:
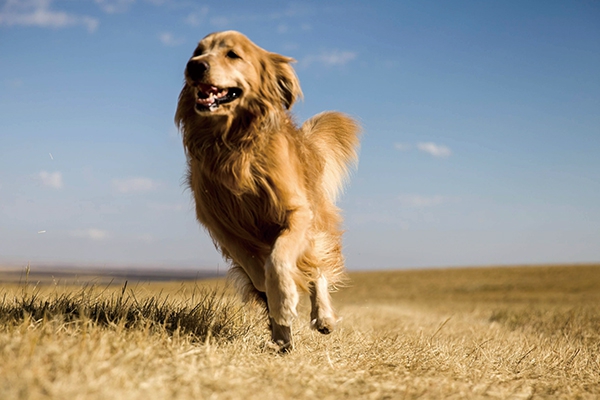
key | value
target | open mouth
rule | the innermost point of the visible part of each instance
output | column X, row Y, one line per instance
column 210, row 97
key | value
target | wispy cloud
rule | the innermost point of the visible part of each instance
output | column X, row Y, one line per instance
column 38, row 13
column 51, row 179
column 134, row 185
column 332, row 58
column 195, row 18
column 293, row 11
column 402, row 146
column 221, row 21
column 166, row 207
column 121, row 6
column 436, row 150
column 420, row 201
column 14, row 83
column 168, row 39
column 114, row 6
column 91, row 233
column 146, row 237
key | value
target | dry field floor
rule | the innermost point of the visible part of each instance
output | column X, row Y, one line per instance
column 474, row 333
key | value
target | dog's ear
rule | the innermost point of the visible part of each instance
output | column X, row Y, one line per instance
column 287, row 81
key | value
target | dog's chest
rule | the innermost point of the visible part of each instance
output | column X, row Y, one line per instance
column 256, row 214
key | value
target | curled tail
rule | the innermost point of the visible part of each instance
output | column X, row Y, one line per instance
column 336, row 139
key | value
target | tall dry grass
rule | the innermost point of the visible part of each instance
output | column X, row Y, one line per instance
column 206, row 313
column 530, row 332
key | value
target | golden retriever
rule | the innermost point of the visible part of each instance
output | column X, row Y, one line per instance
column 265, row 189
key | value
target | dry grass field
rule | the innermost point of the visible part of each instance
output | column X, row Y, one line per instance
column 506, row 333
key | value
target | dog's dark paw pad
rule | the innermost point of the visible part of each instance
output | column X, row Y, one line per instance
column 284, row 347
column 324, row 330
column 324, row 326
column 281, row 337
column 279, row 347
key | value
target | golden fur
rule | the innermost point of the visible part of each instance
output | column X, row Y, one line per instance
column 265, row 189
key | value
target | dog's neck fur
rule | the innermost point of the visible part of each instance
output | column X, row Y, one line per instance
column 230, row 149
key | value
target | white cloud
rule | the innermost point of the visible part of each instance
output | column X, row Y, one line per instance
column 419, row 201
column 293, row 10
column 166, row 207
column 38, row 13
column 220, row 22
column 14, row 83
column 91, row 233
column 168, row 39
column 114, row 6
column 290, row 46
column 402, row 146
column 333, row 58
column 51, row 179
column 197, row 17
column 436, row 150
column 134, row 185
column 146, row 237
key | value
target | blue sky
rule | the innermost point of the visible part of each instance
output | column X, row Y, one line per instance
column 481, row 121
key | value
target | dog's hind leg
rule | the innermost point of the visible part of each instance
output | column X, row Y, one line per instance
column 322, row 317
column 245, row 287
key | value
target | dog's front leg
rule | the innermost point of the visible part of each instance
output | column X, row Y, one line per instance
column 280, row 267
column 322, row 317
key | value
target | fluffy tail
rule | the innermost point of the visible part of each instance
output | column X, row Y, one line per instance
column 336, row 137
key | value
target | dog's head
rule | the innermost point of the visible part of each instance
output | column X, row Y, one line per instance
column 228, row 71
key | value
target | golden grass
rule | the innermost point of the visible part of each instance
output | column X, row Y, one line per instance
column 528, row 332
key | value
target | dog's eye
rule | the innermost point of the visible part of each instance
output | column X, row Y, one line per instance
column 232, row 54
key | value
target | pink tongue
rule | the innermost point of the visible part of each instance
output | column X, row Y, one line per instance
column 205, row 102
column 210, row 95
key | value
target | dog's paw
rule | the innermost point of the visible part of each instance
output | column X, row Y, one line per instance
column 281, row 336
column 323, row 325
column 282, row 348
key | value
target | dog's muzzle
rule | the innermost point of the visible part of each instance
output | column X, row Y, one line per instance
column 208, row 97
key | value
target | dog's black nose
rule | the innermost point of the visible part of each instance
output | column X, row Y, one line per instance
column 196, row 69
